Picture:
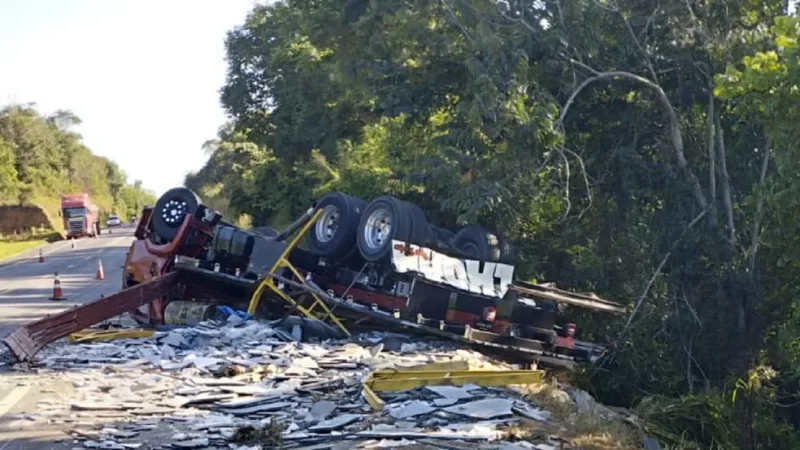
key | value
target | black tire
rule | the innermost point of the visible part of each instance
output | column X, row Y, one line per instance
column 170, row 210
column 334, row 234
column 477, row 243
column 420, row 227
column 383, row 210
column 266, row 231
column 442, row 234
column 441, row 238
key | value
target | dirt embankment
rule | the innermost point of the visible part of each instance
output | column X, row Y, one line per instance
column 25, row 219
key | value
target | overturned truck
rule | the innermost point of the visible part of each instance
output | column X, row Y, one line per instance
column 377, row 263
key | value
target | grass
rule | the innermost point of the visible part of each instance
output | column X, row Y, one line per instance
column 10, row 248
column 18, row 243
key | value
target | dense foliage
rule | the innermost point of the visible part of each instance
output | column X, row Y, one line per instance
column 41, row 159
column 644, row 150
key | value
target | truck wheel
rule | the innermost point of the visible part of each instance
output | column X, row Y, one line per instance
column 385, row 219
column 170, row 210
column 421, row 233
column 441, row 238
column 476, row 243
column 443, row 235
column 334, row 233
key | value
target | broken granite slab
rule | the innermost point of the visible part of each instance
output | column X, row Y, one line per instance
column 222, row 376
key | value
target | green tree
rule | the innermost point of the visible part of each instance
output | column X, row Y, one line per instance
column 641, row 150
column 41, row 159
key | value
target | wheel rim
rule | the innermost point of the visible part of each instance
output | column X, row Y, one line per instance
column 173, row 212
column 328, row 224
column 378, row 229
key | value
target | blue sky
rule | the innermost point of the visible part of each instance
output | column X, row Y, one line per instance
column 143, row 75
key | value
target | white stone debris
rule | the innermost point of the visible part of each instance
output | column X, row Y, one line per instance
column 203, row 386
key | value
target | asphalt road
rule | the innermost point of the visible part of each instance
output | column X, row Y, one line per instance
column 25, row 288
column 26, row 284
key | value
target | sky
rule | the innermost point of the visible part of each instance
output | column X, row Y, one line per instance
column 143, row 75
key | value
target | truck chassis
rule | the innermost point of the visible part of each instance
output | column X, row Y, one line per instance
column 280, row 278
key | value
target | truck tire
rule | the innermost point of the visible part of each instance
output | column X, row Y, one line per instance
column 170, row 210
column 441, row 238
column 477, row 243
column 421, row 233
column 334, row 233
column 385, row 219
column 442, row 233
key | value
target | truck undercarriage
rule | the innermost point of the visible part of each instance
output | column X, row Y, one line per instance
column 377, row 264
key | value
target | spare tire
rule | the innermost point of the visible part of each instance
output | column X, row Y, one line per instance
column 385, row 219
column 171, row 209
column 334, row 234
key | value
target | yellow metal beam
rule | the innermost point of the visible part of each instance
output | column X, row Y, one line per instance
column 442, row 365
column 401, row 380
column 371, row 398
column 108, row 335
column 284, row 258
column 283, row 261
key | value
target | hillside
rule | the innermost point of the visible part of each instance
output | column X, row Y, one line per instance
column 42, row 158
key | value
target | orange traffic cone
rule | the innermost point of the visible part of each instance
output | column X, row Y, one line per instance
column 100, row 275
column 58, row 294
column 41, row 256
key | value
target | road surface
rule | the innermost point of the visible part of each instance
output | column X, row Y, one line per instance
column 25, row 288
column 26, row 285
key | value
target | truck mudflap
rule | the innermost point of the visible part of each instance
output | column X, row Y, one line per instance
column 26, row 341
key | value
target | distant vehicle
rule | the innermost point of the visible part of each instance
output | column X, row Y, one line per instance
column 113, row 221
column 81, row 217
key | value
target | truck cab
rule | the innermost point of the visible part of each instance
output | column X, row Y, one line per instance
column 81, row 217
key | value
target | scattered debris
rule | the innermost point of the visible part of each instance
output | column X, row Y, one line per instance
column 269, row 435
column 247, row 385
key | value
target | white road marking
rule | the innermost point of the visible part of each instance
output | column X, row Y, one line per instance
column 46, row 250
column 13, row 398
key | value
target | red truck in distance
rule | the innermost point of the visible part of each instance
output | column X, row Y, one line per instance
column 81, row 217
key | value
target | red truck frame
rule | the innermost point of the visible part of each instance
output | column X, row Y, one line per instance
column 183, row 250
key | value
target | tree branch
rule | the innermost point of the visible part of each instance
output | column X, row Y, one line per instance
column 725, row 180
column 712, row 160
column 675, row 131
column 639, row 45
column 585, row 181
column 659, row 269
column 457, row 23
column 759, row 212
